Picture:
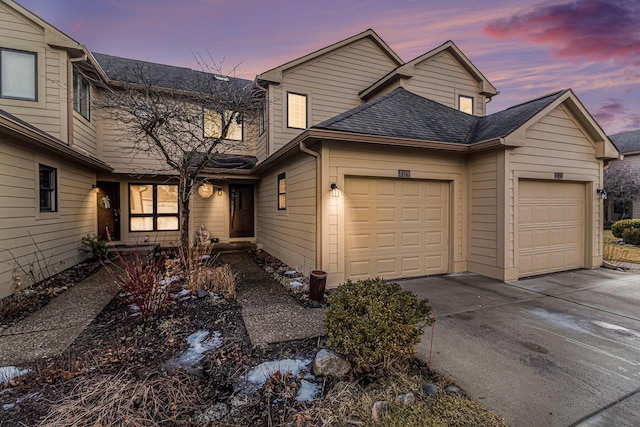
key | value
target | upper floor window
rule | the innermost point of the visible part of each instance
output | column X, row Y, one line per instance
column 213, row 125
column 153, row 207
column 465, row 104
column 282, row 192
column 262, row 117
column 81, row 94
column 48, row 186
column 18, row 74
column 296, row 110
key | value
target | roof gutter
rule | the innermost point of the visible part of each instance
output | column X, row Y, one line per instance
column 52, row 145
column 316, row 155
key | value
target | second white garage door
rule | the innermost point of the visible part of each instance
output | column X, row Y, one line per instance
column 551, row 226
column 396, row 228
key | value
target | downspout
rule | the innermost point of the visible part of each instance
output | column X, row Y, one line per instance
column 304, row 149
column 83, row 58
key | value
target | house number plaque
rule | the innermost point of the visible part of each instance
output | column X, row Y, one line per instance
column 403, row 173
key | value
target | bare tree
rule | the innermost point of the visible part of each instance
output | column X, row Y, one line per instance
column 622, row 182
column 182, row 117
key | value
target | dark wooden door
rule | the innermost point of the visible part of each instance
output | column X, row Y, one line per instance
column 108, row 199
column 241, row 210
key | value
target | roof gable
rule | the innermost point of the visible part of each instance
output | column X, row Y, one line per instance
column 627, row 142
column 407, row 71
column 275, row 74
column 53, row 36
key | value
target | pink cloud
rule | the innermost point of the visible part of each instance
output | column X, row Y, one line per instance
column 593, row 29
column 615, row 114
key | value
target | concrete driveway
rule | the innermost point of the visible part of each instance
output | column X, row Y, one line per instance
column 557, row 350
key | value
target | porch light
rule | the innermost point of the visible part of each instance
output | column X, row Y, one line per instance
column 205, row 190
column 335, row 192
column 219, row 191
column 601, row 193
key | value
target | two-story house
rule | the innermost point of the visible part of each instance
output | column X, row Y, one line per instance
column 358, row 164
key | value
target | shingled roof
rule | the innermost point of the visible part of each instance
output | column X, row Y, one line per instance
column 627, row 142
column 159, row 75
column 403, row 114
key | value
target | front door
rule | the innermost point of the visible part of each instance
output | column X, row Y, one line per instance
column 108, row 199
column 241, row 210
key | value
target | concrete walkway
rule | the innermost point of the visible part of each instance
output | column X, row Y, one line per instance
column 270, row 314
column 50, row 330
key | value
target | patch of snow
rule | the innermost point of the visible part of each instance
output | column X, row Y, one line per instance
column 182, row 295
column 171, row 280
column 264, row 371
column 289, row 273
column 8, row 406
column 616, row 328
column 308, row 391
column 295, row 284
column 134, row 308
column 198, row 346
column 8, row 373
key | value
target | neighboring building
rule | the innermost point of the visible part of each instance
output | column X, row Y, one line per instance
column 360, row 164
column 628, row 144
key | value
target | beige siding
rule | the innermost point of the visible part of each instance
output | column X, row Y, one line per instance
column 357, row 160
column 331, row 82
column 53, row 238
column 213, row 213
column 289, row 234
column 484, row 172
column 85, row 131
column 442, row 78
column 48, row 112
column 555, row 144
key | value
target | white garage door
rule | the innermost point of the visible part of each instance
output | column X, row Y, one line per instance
column 551, row 226
column 396, row 228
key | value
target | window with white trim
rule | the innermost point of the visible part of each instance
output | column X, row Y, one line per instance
column 48, row 188
column 18, row 74
column 214, row 125
column 296, row 110
column 153, row 207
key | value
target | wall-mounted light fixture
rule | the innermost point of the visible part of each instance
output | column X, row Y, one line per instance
column 219, row 189
column 205, row 190
column 335, row 191
column 94, row 186
column 601, row 193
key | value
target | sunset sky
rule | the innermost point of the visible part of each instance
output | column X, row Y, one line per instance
column 525, row 48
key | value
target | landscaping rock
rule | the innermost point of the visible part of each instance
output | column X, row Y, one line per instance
column 201, row 293
column 453, row 390
column 406, row 399
column 329, row 363
column 212, row 414
column 430, row 389
column 379, row 409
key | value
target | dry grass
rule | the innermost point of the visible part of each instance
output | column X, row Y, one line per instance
column 202, row 272
column 111, row 400
column 618, row 253
column 348, row 404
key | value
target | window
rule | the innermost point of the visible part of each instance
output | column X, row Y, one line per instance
column 153, row 207
column 262, row 117
column 213, row 125
column 282, row 192
column 81, row 94
column 48, row 189
column 465, row 104
column 296, row 110
column 18, row 74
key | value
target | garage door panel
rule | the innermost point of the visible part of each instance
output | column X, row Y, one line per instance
column 551, row 226
column 407, row 235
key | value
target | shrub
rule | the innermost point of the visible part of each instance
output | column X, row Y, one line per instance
column 374, row 322
column 140, row 279
column 631, row 236
column 95, row 245
column 618, row 227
